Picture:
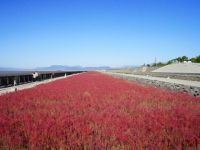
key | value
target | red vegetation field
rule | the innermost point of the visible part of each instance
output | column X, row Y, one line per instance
column 96, row 111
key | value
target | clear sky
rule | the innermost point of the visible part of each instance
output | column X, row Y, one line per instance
column 36, row 33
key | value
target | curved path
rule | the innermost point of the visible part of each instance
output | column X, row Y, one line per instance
column 168, row 80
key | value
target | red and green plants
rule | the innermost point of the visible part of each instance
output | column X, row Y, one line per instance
column 97, row 111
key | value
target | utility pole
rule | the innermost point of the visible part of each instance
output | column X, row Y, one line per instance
column 155, row 61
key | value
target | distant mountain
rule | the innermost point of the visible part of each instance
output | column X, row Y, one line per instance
column 58, row 68
column 11, row 69
column 71, row 68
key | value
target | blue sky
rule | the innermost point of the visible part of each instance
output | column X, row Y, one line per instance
column 35, row 33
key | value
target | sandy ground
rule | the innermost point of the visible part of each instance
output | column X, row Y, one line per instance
column 180, row 68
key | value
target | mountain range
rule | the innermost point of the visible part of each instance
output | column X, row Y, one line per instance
column 58, row 68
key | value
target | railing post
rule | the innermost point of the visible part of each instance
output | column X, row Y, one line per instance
column 14, row 82
column 7, row 81
column 19, row 80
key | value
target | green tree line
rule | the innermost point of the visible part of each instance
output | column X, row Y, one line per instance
column 178, row 59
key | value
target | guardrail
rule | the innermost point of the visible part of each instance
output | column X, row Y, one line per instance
column 12, row 78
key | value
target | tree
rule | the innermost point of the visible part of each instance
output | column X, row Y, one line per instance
column 169, row 62
column 179, row 59
column 198, row 59
column 195, row 59
column 160, row 64
column 184, row 58
column 148, row 65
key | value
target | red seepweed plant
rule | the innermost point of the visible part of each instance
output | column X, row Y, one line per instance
column 96, row 111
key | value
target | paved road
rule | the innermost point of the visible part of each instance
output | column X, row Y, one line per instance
column 168, row 80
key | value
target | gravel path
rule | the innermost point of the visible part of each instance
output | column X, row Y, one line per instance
column 190, row 87
column 176, row 81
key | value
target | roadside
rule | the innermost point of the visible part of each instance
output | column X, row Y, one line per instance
column 183, row 71
column 187, row 86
